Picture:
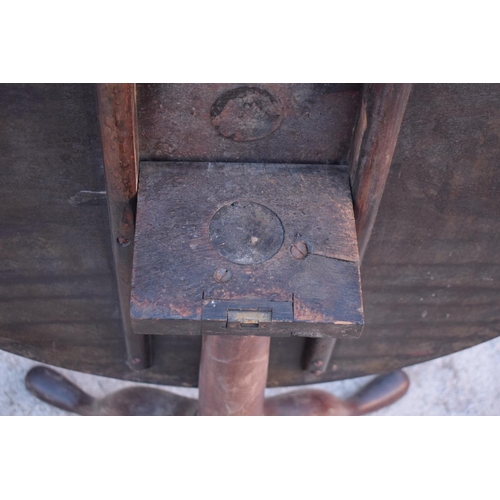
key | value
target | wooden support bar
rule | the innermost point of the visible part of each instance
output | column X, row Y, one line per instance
column 382, row 109
column 118, row 123
column 233, row 375
column 374, row 140
column 317, row 354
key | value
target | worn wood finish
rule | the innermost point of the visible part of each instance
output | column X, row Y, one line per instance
column 58, row 300
column 370, row 156
column 53, row 388
column 118, row 121
column 383, row 391
column 430, row 275
column 294, row 123
column 431, row 272
column 375, row 136
column 233, row 374
column 174, row 289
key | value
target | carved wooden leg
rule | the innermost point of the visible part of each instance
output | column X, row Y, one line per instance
column 231, row 385
column 233, row 376
column 380, row 392
column 51, row 387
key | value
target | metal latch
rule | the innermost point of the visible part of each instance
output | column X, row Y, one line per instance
column 248, row 319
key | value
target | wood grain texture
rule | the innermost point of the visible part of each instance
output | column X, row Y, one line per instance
column 431, row 272
column 58, row 299
column 315, row 122
column 430, row 275
column 118, row 121
column 233, row 375
column 374, row 141
column 175, row 259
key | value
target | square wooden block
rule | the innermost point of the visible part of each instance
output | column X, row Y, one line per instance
column 245, row 249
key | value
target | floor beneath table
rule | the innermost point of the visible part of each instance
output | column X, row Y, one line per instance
column 464, row 383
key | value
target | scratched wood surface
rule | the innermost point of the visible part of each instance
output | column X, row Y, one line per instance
column 237, row 368
column 371, row 152
column 290, row 123
column 175, row 259
column 430, row 276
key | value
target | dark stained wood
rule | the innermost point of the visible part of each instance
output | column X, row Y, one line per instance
column 58, row 300
column 174, row 287
column 187, row 122
column 233, row 375
column 370, row 157
column 375, row 136
column 434, row 289
column 430, row 275
column 55, row 389
column 317, row 354
column 383, row 391
column 118, row 121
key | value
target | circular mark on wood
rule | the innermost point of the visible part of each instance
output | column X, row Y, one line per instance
column 246, row 114
column 246, row 232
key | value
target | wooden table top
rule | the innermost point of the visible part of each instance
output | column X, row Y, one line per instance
column 430, row 276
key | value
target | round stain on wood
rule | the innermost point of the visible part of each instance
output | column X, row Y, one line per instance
column 246, row 232
column 246, row 114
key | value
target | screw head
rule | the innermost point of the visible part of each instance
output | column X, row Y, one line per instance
column 317, row 373
column 122, row 241
column 299, row 250
column 318, row 363
column 223, row 275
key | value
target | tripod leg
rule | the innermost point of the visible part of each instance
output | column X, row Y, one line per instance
column 380, row 392
column 53, row 388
